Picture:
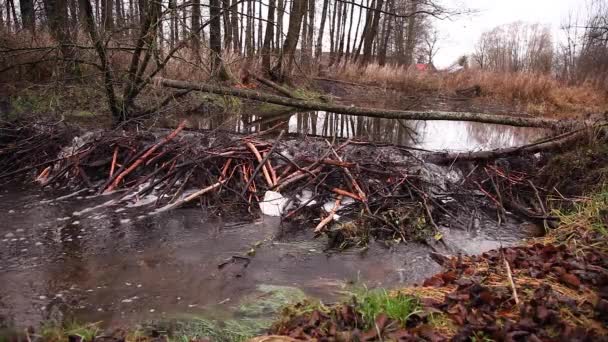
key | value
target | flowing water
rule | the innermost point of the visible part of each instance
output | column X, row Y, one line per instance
column 73, row 258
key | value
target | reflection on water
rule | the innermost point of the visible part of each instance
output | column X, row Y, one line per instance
column 430, row 135
column 120, row 266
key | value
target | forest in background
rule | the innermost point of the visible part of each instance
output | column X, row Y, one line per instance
column 121, row 46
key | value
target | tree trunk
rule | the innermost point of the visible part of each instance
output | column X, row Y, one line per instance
column 332, row 30
column 215, row 40
column 350, row 27
column 196, row 24
column 410, row 39
column 249, row 31
column 303, row 42
column 108, row 79
column 342, row 36
column 234, row 22
column 371, row 33
column 107, row 19
column 319, row 47
column 386, row 33
column 311, row 29
column 285, row 63
column 371, row 112
column 173, row 24
column 227, row 24
column 268, row 37
column 27, row 14
column 260, row 28
column 279, row 33
column 354, row 56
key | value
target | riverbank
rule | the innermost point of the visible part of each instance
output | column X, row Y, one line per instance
column 141, row 225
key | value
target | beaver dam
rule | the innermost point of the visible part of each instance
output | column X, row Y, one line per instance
column 127, row 227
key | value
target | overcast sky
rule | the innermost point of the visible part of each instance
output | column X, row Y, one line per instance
column 460, row 34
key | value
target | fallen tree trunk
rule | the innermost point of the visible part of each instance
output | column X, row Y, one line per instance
column 549, row 144
column 370, row 112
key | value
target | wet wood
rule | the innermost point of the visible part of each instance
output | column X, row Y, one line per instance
column 144, row 156
column 519, row 121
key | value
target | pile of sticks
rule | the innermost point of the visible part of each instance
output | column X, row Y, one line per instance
column 219, row 169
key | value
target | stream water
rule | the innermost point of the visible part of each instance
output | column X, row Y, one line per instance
column 59, row 258
column 429, row 135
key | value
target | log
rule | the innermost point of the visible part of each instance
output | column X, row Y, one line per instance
column 550, row 144
column 370, row 112
column 279, row 88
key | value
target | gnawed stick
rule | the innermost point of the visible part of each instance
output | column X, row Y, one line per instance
column 329, row 217
column 296, row 176
column 346, row 193
column 510, row 277
column 190, row 197
column 114, row 157
column 349, row 174
column 143, row 157
column 261, row 165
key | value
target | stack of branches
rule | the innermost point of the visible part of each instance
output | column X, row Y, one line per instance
column 383, row 191
column 24, row 146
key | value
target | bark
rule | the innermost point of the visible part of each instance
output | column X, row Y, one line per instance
column 355, row 38
column 366, row 28
column 332, row 30
column 311, row 29
column 304, row 41
column 260, row 31
column 108, row 78
column 410, row 39
column 279, row 33
column 370, row 112
column 215, row 40
column 268, row 37
column 550, row 144
column 388, row 21
column 285, row 62
column 234, row 22
column 173, row 23
column 107, row 19
column 371, row 33
column 196, row 23
column 227, row 24
column 319, row 46
column 350, row 28
column 57, row 14
column 342, row 36
column 249, row 31
column 27, row 14
column 119, row 14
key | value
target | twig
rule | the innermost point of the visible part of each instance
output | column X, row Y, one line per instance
column 113, row 161
column 261, row 165
column 510, row 277
column 141, row 159
column 329, row 217
column 190, row 197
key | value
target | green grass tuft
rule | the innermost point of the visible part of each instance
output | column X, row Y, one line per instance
column 399, row 307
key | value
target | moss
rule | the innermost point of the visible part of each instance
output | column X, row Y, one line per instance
column 226, row 104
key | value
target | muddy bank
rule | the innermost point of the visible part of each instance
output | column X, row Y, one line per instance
column 532, row 293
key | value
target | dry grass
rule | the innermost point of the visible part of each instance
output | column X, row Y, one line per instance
column 537, row 94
